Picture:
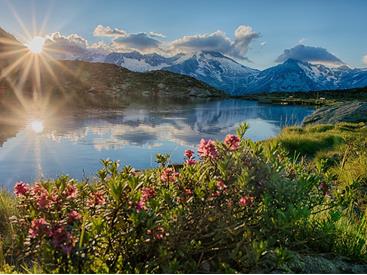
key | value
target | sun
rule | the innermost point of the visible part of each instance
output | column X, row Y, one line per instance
column 37, row 126
column 36, row 44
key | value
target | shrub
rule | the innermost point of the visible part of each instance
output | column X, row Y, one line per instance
column 238, row 206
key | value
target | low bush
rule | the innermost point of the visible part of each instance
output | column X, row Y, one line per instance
column 236, row 206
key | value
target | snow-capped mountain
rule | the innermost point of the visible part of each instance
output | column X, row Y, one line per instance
column 230, row 76
column 294, row 75
column 216, row 70
column 138, row 62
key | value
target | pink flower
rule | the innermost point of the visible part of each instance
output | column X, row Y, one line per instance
column 232, row 141
column 37, row 226
column 246, row 200
column 221, row 186
column 62, row 239
column 190, row 161
column 96, row 198
column 159, row 233
column 169, row 175
column 207, row 149
column 188, row 191
column 43, row 201
column 189, row 154
column 148, row 193
column 74, row 216
column 140, row 206
column 71, row 191
column 21, row 189
column 41, row 195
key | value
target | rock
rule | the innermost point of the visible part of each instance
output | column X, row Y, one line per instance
column 345, row 112
column 195, row 92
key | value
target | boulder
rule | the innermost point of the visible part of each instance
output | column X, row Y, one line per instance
column 344, row 112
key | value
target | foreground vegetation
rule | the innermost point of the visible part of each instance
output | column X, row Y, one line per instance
column 296, row 203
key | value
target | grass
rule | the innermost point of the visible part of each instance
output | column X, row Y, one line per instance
column 320, row 140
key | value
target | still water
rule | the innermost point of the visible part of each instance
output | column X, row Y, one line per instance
column 74, row 143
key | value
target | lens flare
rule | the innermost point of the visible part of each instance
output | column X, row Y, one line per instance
column 37, row 126
column 36, row 44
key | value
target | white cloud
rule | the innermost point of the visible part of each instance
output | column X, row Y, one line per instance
column 310, row 54
column 123, row 41
column 156, row 34
column 218, row 41
column 137, row 41
column 72, row 39
column 107, row 31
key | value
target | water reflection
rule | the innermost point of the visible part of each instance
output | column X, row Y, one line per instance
column 74, row 143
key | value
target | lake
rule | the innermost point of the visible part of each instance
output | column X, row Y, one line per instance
column 74, row 143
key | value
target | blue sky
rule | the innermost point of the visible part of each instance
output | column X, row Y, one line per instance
column 338, row 26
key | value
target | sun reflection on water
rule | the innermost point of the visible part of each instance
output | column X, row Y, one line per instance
column 36, row 126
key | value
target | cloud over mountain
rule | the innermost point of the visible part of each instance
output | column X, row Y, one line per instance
column 310, row 54
column 66, row 40
column 107, row 31
column 218, row 41
column 120, row 40
column 137, row 41
column 125, row 41
column 71, row 46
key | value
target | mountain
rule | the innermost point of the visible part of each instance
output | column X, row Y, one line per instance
column 294, row 75
column 10, row 49
column 138, row 62
column 215, row 69
column 86, row 84
column 234, row 78
column 210, row 67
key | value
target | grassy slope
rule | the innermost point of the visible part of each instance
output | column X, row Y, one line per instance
column 338, row 150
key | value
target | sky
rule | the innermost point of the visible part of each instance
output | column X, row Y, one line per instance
column 257, row 33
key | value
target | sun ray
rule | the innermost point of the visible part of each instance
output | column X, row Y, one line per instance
column 7, row 70
column 12, row 52
column 20, row 22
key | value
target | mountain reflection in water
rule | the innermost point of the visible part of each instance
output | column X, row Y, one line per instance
column 74, row 143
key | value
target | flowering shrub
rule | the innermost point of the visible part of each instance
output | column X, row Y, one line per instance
column 239, row 203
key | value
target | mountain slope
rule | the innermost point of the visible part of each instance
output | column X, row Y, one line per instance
column 228, row 75
column 138, row 62
column 84, row 83
column 294, row 75
column 215, row 69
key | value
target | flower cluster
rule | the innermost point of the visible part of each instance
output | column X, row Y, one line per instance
column 38, row 226
column 96, row 198
column 62, row 239
column 21, row 189
column 146, row 194
column 246, row 200
column 52, row 213
column 189, row 154
column 169, row 175
column 232, row 141
column 207, row 149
